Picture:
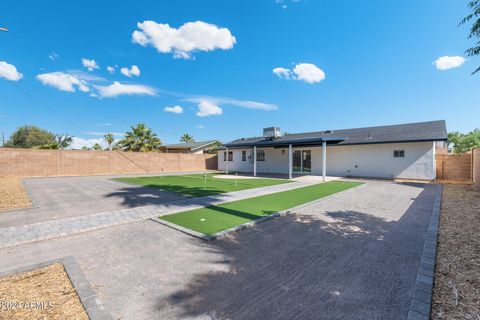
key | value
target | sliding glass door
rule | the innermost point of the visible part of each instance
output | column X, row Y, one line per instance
column 302, row 161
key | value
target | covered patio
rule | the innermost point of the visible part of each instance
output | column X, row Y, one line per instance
column 295, row 177
column 299, row 158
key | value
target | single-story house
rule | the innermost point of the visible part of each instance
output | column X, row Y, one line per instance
column 198, row 147
column 396, row 151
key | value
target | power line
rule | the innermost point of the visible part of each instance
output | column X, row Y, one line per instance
column 46, row 106
column 25, row 92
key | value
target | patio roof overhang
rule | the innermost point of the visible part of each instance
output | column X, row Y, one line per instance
column 280, row 143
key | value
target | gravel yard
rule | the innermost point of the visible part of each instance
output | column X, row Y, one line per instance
column 44, row 293
column 456, row 293
column 13, row 194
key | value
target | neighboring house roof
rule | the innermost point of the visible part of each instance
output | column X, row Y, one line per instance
column 409, row 132
column 191, row 145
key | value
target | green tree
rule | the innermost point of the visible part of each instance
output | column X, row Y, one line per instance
column 464, row 142
column 31, row 137
column 140, row 138
column 187, row 138
column 109, row 139
column 84, row 148
column 474, row 5
column 97, row 147
column 63, row 140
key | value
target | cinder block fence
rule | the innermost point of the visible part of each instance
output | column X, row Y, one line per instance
column 476, row 166
column 459, row 167
column 41, row 163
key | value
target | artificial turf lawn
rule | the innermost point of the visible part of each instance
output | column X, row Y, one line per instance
column 214, row 219
column 193, row 184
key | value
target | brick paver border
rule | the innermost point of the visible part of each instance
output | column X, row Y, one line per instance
column 421, row 302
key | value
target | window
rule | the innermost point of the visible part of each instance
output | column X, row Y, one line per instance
column 230, row 155
column 260, row 155
column 398, row 153
column 244, row 155
column 224, row 156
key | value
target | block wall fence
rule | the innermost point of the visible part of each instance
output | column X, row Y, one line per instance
column 46, row 163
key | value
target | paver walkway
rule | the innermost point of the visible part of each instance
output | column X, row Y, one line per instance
column 12, row 236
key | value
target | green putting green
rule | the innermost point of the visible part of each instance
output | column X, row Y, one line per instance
column 195, row 185
column 213, row 219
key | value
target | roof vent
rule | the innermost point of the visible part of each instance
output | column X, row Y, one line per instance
column 272, row 133
column 328, row 131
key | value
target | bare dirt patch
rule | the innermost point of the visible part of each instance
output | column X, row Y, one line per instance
column 12, row 194
column 44, row 293
column 456, row 292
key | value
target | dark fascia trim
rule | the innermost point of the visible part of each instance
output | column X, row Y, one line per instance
column 310, row 144
column 267, row 144
column 394, row 141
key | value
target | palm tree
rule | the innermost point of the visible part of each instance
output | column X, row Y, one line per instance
column 109, row 139
column 97, row 147
column 140, row 138
column 187, row 138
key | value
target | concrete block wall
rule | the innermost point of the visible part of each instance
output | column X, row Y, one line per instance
column 476, row 166
column 454, row 167
column 42, row 163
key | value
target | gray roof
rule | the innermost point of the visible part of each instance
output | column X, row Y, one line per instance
column 191, row 145
column 409, row 132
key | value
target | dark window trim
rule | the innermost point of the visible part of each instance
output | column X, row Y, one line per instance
column 230, row 156
column 263, row 153
column 244, row 155
column 399, row 153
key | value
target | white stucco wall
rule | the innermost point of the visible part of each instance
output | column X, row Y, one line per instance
column 373, row 160
column 237, row 164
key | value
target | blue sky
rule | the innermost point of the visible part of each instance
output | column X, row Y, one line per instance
column 344, row 64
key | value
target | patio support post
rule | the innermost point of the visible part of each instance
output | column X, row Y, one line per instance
column 254, row 161
column 324, row 160
column 226, row 161
column 290, row 160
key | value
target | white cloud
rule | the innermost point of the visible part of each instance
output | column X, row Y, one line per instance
column 174, row 109
column 117, row 89
column 190, row 37
column 449, row 62
column 52, row 56
column 79, row 143
column 90, row 64
column 234, row 102
column 9, row 72
column 64, row 81
column 111, row 69
column 133, row 71
column 309, row 73
column 199, row 127
column 306, row 72
column 105, row 124
column 207, row 108
column 282, row 73
column 101, row 134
